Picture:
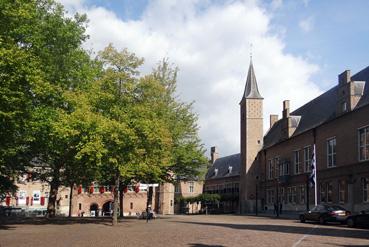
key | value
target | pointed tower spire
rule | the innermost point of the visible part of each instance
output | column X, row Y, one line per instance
column 251, row 88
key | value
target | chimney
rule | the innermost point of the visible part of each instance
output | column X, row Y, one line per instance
column 273, row 119
column 214, row 155
column 344, row 77
column 286, row 109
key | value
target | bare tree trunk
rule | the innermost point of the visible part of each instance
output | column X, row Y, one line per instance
column 116, row 201
column 70, row 200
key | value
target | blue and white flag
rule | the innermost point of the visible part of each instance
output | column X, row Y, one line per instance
column 312, row 178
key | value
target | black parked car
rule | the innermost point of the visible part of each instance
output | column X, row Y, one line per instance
column 326, row 213
column 359, row 220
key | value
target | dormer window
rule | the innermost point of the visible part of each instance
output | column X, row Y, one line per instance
column 230, row 169
column 215, row 172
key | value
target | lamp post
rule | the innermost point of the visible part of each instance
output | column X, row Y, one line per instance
column 256, row 195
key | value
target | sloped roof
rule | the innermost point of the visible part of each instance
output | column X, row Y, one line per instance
column 251, row 87
column 320, row 109
column 222, row 165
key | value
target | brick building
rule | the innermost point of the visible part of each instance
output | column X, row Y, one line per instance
column 337, row 122
column 274, row 168
column 186, row 189
column 95, row 200
column 223, row 178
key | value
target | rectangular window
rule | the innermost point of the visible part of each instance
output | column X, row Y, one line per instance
column 36, row 196
column 270, row 169
column 131, row 205
column 329, row 192
column 270, row 196
column 289, row 195
column 294, row 195
column 276, row 166
column 342, row 191
column 281, row 195
column 364, row 144
column 365, row 183
column 79, row 206
column 296, row 159
column 307, row 159
column 191, row 187
column 302, row 194
column 281, row 170
column 236, row 187
column 176, row 188
column 331, row 152
column 323, row 193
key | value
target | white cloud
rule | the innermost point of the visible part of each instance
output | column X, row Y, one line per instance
column 210, row 45
column 307, row 24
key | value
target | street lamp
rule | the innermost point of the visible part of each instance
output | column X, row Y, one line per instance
column 256, row 195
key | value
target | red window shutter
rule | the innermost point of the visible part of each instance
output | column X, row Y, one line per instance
column 91, row 189
column 27, row 200
column 31, row 201
column 125, row 189
column 137, row 188
column 80, row 189
column 102, row 189
column 42, row 200
column 7, row 201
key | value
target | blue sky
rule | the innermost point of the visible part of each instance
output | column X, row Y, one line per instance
column 299, row 48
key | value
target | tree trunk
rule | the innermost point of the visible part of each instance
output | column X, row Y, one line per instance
column 149, row 201
column 70, row 200
column 51, row 209
column 116, row 201
column 121, row 201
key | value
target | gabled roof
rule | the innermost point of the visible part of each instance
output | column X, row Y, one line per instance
column 251, row 87
column 220, row 168
column 320, row 110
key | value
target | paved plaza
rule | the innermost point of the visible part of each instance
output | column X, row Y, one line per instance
column 195, row 231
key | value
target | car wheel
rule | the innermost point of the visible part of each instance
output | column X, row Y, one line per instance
column 322, row 221
column 350, row 222
column 302, row 219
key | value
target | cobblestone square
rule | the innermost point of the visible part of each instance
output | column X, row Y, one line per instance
column 195, row 231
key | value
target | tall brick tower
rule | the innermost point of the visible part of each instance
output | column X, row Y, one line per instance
column 251, row 113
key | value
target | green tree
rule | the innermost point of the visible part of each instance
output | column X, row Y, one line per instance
column 35, row 92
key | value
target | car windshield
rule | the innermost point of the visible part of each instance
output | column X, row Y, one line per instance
column 334, row 208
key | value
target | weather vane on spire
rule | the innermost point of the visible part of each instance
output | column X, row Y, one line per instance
column 250, row 51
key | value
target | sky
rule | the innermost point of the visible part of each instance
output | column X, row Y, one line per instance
column 298, row 49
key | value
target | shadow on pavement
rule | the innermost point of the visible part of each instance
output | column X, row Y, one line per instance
column 331, row 232
column 6, row 222
column 204, row 245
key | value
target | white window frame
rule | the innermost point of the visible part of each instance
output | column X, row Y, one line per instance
column 191, row 187
column 364, row 145
column 332, row 154
column 289, row 195
column 307, row 158
column 270, row 169
column 341, row 191
column 296, row 161
column 294, row 194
